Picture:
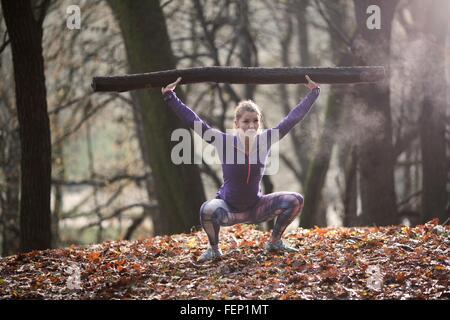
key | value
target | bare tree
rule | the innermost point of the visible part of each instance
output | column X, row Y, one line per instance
column 179, row 189
column 435, row 196
column 26, row 43
column 375, row 151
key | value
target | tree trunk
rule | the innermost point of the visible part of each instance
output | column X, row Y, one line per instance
column 433, row 119
column 247, row 55
column 407, row 191
column 301, row 135
column 25, row 33
column 179, row 189
column 59, row 172
column 320, row 162
column 376, row 154
column 247, row 75
column 10, row 169
column 10, row 160
column 155, row 214
column 350, row 199
column 300, row 8
column 92, row 176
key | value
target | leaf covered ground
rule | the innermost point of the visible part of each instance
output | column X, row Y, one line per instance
column 395, row 262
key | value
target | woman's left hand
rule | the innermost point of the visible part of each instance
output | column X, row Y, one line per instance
column 311, row 84
column 170, row 87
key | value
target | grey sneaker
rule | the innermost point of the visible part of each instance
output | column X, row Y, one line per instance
column 210, row 254
column 279, row 246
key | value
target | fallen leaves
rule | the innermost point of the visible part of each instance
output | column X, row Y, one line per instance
column 393, row 262
column 94, row 257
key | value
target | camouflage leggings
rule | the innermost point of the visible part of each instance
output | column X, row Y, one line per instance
column 284, row 205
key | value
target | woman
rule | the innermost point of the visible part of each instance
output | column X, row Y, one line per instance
column 239, row 199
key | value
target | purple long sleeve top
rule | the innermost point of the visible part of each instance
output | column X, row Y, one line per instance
column 242, row 173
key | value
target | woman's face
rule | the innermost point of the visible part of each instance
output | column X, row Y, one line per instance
column 248, row 120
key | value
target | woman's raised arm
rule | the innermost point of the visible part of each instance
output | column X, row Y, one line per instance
column 300, row 111
column 186, row 114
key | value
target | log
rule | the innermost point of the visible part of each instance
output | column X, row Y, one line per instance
column 244, row 75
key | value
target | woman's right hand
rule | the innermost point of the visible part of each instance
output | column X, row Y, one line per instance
column 170, row 87
column 311, row 84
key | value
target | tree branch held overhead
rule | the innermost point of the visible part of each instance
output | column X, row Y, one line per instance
column 240, row 75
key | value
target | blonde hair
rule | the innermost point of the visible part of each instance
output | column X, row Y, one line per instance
column 246, row 106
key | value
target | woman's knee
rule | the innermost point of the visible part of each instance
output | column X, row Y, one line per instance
column 299, row 198
column 208, row 208
column 294, row 199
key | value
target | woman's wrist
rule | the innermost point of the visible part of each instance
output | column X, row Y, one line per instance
column 167, row 95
